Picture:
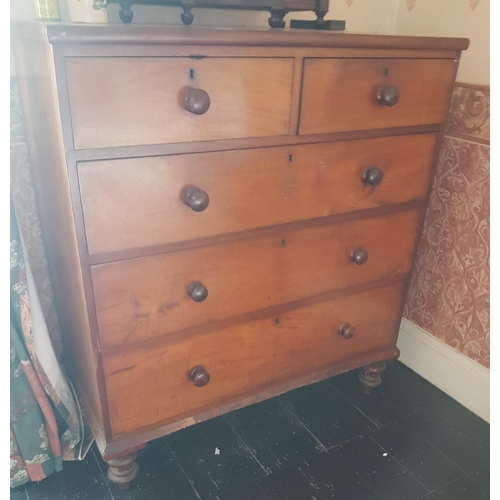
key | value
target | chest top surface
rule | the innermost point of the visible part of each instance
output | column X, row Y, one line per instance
column 57, row 33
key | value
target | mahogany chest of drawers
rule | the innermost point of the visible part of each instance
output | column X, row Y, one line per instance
column 228, row 214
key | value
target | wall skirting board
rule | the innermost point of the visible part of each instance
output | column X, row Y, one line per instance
column 454, row 373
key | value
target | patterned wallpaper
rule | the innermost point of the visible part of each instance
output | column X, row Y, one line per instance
column 450, row 286
column 410, row 3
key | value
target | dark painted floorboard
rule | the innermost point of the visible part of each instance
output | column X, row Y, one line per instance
column 417, row 455
column 328, row 441
column 275, row 434
column 289, row 484
column 249, row 492
column 482, row 476
column 78, row 480
column 335, row 477
column 464, row 488
column 214, row 458
column 327, row 414
column 18, row 493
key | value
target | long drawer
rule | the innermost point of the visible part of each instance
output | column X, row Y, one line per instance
column 361, row 94
column 148, row 297
column 141, row 202
column 246, row 358
column 125, row 101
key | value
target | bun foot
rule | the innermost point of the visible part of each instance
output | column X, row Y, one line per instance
column 122, row 470
column 370, row 377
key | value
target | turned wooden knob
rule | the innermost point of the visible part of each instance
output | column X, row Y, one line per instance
column 197, row 291
column 347, row 331
column 196, row 199
column 359, row 256
column 388, row 96
column 196, row 101
column 199, row 376
column 373, row 176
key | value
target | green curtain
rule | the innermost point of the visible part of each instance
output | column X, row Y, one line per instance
column 46, row 424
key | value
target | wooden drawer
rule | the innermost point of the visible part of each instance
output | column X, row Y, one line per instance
column 127, row 101
column 147, row 297
column 246, row 358
column 342, row 94
column 246, row 189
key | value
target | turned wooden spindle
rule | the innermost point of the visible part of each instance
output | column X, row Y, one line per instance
column 122, row 470
column 370, row 377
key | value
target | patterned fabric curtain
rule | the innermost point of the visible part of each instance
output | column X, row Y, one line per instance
column 46, row 425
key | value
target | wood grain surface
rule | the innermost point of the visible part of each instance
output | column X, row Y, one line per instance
column 147, row 297
column 245, row 359
column 135, row 203
column 341, row 94
column 127, row 101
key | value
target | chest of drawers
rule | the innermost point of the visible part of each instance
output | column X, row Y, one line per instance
column 228, row 214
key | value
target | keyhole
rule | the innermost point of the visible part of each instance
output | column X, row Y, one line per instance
column 386, row 72
column 290, row 158
column 277, row 321
column 191, row 74
column 283, row 243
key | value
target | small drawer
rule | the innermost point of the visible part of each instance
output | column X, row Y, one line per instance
column 170, row 199
column 148, row 297
column 125, row 101
column 361, row 94
column 241, row 360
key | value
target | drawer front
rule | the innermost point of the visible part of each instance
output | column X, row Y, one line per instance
column 133, row 101
column 147, row 297
column 246, row 358
column 245, row 189
column 343, row 94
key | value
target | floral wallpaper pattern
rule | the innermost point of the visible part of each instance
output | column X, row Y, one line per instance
column 469, row 116
column 410, row 3
column 449, row 291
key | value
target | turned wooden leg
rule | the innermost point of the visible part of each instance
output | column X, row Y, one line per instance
column 276, row 19
column 370, row 377
column 123, row 469
column 320, row 21
column 126, row 14
column 187, row 16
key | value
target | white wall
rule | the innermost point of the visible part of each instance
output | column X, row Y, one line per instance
column 365, row 16
column 462, row 18
column 370, row 16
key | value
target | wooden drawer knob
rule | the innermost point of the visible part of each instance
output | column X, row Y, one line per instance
column 347, row 331
column 373, row 176
column 196, row 199
column 359, row 256
column 199, row 376
column 388, row 96
column 196, row 101
column 197, row 291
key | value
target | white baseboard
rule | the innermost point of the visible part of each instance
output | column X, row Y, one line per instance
column 454, row 373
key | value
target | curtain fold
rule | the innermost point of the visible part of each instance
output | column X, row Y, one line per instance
column 46, row 423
